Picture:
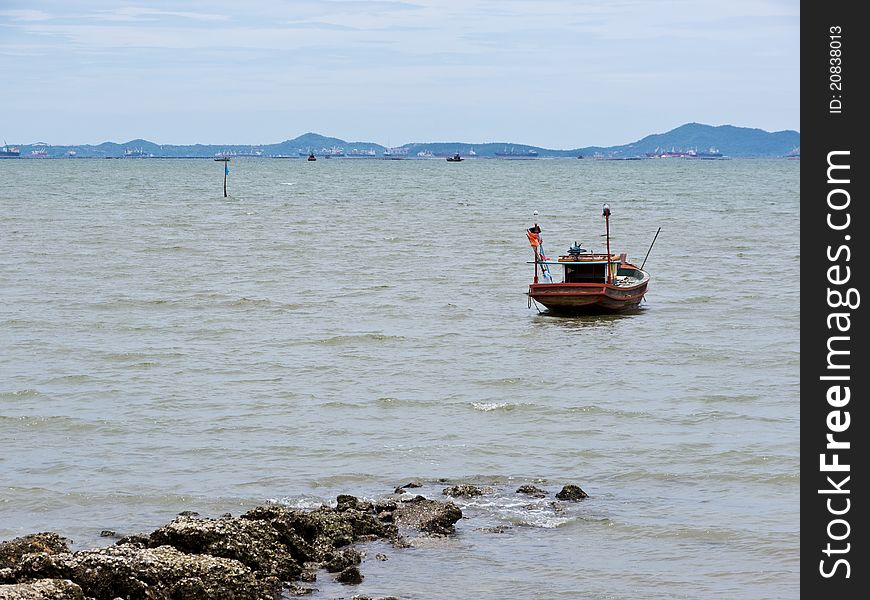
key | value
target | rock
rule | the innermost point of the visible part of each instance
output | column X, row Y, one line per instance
column 496, row 529
column 458, row 491
column 107, row 533
column 12, row 551
column 244, row 558
column 343, row 559
column 162, row 572
column 411, row 484
column 432, row 516
column 385, row 506
column 294, row 589
column 255, row 544
column 381, row 557
column 42, row 589
column 399, row 490
column 350, row 575
column 346, row 502
column 137, row 539
column 571, row 492
column 531, row 490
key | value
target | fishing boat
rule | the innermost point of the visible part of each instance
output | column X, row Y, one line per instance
column 455, row 158
column 311, row 156
column 592, row 282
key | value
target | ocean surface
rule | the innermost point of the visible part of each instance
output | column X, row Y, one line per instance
column 347, row 326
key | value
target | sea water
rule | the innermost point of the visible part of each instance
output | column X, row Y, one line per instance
column 347, row 326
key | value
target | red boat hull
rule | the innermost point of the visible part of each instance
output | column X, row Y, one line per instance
column 587, row 298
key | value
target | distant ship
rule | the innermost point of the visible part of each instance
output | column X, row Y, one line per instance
column 471, row 152
column 395, row 153
column 680, row 153
column 360, row 153
column 672, row 153
column 513, row 153
column 135, row 153
column 41, row 153
column 8, row 151
column 711, row 153
column 425, row 154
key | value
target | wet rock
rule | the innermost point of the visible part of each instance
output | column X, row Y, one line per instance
column 432, row 516
column 350, row 575
column 496, row 529
column 531, row 490
column 294, row 589
column 557, row 507
column 399, row 490
column 410, row 484
column 255, row 544
column 571, row 492
column 343, row 559
column 385, row 506
column 458, row 491
column 162, row 572
column 314, row 535
column 244, row 558
column 346, row 502
column 107, row 533
column 43, row 589
column 12, row 551
column 381, row 557
column 188, row 513
column 137, row 539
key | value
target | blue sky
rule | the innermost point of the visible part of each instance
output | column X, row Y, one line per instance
column 552, row 73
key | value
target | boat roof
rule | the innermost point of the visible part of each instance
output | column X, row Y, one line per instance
column 602, row 261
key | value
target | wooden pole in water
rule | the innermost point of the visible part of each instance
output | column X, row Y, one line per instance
column 226, row 172
column 607, row 232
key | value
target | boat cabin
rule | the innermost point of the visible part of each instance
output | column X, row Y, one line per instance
column 582, row 266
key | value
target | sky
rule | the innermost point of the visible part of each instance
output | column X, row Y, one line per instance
column 553, row 73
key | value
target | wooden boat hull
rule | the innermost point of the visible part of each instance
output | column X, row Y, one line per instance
column 587, row 298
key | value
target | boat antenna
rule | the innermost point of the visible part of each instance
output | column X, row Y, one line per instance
column 606, row 214
column 650, row 249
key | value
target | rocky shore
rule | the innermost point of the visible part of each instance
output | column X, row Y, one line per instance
column 269, row 552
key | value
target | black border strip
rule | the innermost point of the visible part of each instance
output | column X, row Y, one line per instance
column 833, row 327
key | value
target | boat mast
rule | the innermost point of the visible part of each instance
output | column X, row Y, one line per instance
column 606, row 215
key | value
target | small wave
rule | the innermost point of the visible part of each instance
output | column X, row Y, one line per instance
column 391, row 402
column 28, row 393
column 341, row 340
column 125, row 356
column 288, row 183
column 490, row 406
column 304, row 503
column 341, row 405
column 699, row 300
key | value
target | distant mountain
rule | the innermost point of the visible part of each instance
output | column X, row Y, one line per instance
column 727, row 139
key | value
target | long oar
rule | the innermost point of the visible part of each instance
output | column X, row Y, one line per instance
column 650, row 249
